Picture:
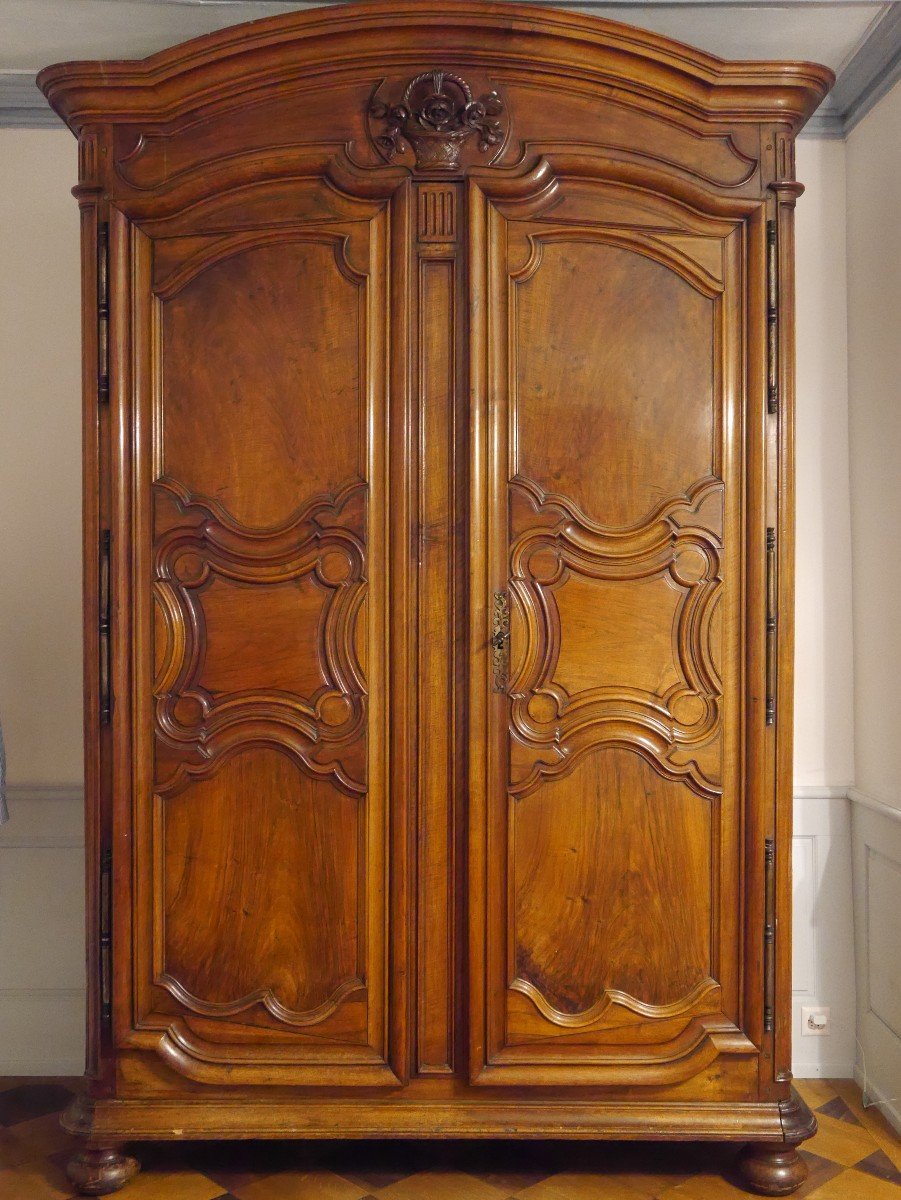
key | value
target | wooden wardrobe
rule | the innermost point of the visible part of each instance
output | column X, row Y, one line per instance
column 438, row 583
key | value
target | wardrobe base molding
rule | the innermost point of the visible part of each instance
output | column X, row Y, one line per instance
column 208, row 1118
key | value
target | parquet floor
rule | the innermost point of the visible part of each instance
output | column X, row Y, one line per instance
column 855, row 1156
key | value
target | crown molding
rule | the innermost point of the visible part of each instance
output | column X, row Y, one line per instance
column 871, row 72
column 21, row 104
column 825, row 125
column 865, row 78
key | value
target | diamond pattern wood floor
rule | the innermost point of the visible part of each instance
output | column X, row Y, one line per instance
column 855, row 1156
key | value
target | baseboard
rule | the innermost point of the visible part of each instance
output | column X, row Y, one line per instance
column 42, row 1031
column 889, row 1106
column 876, row 827
column 42, row 990
column 822, row 931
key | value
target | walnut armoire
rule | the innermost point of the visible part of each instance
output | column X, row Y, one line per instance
column 438, row 583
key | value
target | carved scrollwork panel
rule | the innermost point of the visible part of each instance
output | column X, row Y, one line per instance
column 227, row 593
column 654, row 587
column 435, row 116
column 705, row 997
column 265, row 997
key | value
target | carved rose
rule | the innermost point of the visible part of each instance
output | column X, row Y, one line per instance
column 437, row 110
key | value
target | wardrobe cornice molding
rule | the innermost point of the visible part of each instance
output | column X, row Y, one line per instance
column 230, row 62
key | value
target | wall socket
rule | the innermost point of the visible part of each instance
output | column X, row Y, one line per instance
column 814, row 1022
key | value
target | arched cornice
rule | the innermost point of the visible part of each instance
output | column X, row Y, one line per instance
column 224, row 68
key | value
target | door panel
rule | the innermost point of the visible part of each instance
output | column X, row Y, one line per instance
column 605, row 339
column 262, row 362
column 290, row 943
column 606, row 814
column 600, row 904
column 261, row 913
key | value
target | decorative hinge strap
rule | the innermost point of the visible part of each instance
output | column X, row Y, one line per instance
column 772, row 318
column 771, row 610
column 103, row 314
column 769, row 935
column 104, row 628
column 500, row 640
column 106, row 934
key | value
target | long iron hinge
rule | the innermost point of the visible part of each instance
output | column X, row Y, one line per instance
column 771, row 609
column 104, row 628
column 106, row 934
column 103, row 314
column 769, row 935
column 500, row 640
column 772, row 318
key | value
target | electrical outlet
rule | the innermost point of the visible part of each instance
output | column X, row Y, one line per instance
column 815, row 1022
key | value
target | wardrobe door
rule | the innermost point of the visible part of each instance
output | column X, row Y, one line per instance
column 258, row 833
column 608, row 785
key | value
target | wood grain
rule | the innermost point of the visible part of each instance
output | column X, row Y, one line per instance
column 415, row 312
column 439, row 562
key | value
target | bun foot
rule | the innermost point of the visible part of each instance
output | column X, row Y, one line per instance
column 771, row 1168
column 100, row 1170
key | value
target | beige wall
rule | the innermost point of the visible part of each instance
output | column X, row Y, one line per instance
column 823, row 946
column 824, row 718
column 874, row 344
column 874, row 303
column 40, row 446
column 41, row 850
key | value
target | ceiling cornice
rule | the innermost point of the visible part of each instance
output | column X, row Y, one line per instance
column 21, row 104
column 862, row 81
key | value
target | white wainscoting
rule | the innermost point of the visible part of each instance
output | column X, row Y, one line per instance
column 876, row 835
column 42, row 933
column 823, row 931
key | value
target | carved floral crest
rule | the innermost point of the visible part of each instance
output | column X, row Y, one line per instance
column 435, row 117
